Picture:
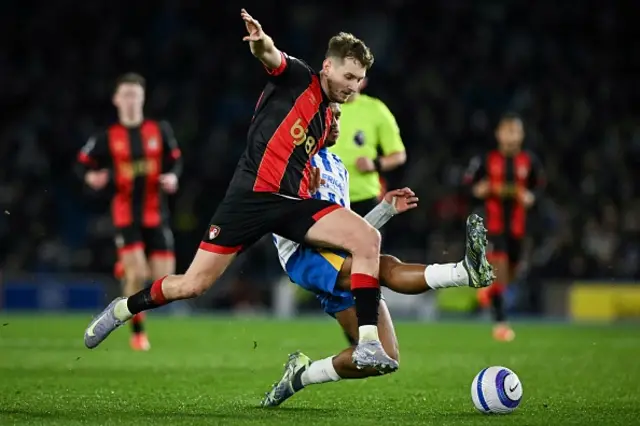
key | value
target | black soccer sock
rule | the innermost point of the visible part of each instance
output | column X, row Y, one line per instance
column 137, row 323
column 296, row 383
column 146, row 299
column 497, row 305
column 367, row 300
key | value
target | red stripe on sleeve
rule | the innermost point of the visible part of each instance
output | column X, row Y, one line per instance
column 283, row 66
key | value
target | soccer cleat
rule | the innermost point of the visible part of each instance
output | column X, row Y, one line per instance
column 503, row 333
column 283, row 390
column 475, row 258
column 140, row 342
column 102, row 325
column 372, row 354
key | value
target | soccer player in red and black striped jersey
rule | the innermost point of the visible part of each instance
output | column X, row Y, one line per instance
column 508, row 180
column 269, row 192
column 142, row 160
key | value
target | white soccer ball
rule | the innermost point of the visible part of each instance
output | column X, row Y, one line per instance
column 496, row 390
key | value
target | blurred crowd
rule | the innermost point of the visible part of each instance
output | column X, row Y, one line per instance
column 446, row 69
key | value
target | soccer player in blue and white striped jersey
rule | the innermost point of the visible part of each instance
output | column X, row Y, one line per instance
column 326, row 273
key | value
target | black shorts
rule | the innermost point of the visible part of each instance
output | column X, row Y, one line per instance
column 156, row 241
column 244, row 217
column 505, row 246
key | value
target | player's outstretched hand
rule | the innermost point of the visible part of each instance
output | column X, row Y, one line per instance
column 169, row 183
column 253, row 27
column 402, row 199
column 315, row 180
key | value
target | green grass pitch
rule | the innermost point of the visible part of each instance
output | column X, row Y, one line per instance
column 215, row 371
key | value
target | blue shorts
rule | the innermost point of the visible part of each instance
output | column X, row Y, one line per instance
column 316, row 270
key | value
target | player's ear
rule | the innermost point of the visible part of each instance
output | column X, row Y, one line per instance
column 326, row 65
column 363, row 84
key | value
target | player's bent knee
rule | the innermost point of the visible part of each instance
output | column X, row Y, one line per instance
column 367, row 243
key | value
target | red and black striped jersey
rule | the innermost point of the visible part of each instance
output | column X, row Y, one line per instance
column 506, row 176
column 136, row 157
column 291, row 121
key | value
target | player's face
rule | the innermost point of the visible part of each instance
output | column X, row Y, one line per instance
column 510, row 134
column 343, row 77
column 334, row 131
column 129, row 99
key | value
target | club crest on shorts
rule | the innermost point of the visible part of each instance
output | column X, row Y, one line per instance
column 214, row 231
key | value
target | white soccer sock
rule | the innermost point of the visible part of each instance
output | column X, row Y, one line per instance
column 446, row 275
column 321, row 371
column 121, row 310
column 368, row 333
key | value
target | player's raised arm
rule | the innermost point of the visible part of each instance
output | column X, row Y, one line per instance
column 262, row 46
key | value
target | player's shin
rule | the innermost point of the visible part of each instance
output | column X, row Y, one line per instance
column 366, row 291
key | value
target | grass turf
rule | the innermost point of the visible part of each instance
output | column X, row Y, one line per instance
column 215, row 371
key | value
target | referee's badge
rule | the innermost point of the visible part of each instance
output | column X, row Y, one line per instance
column 359, row 138
column 214, row 231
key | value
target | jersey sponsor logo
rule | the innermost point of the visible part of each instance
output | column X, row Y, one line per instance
column 133, row 169
column 214, row 231
column 299, row 134
column 331, row 181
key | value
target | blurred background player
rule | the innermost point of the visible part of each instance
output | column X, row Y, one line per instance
column 369, row 143
column 509, row 180
column 140, row 157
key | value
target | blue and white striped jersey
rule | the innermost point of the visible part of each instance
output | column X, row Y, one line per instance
column 336, row 178
column 335, row 188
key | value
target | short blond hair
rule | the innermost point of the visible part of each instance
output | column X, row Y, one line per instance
column 346, row 45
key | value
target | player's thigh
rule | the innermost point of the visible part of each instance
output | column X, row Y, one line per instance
column 498, row 257
column 159, row 243
column 339, row 228
column 131, row 252
column 348, row 320
column 239, row 221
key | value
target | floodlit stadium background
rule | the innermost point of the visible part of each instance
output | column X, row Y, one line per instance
column 446, row 69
